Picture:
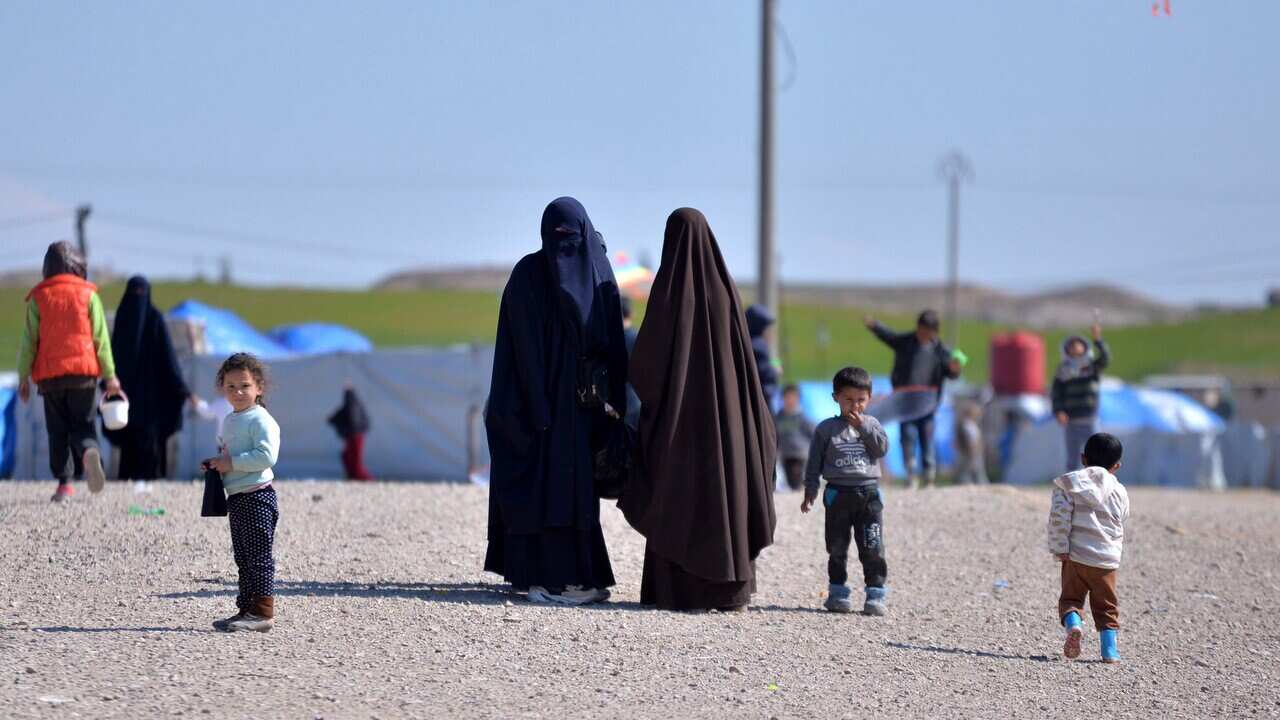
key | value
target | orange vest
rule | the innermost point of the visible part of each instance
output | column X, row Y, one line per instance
column 65, row 342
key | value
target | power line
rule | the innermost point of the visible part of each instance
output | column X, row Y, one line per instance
column 27, row 220
column 248, row 239
column 328, row 181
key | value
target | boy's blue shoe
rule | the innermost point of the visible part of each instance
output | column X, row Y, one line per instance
column 839, row 599
column 1110, row 653
column 875, row 602
column 1071, row 621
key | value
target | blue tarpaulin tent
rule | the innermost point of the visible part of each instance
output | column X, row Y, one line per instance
column 8, row 432
column 226, row 333
column 317, row 338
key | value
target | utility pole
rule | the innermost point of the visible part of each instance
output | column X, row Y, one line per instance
column 82, row 214
column 767, row 277
column 224, row 270
column 954, row 169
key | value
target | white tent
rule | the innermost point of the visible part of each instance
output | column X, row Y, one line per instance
column 424, row 405
column 1246, row 455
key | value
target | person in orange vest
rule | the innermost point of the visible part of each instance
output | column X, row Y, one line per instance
column 65, row 348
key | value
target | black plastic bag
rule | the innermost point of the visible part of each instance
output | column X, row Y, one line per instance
column 215, row 500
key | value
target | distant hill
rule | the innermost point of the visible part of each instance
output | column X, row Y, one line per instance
column 28, row 278
column 463, row 278
column 1055, row 308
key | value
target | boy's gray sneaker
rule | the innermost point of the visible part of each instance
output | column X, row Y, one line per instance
column 839, row 599
column 875, row 602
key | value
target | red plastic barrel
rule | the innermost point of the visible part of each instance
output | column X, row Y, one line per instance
column 1017, row 363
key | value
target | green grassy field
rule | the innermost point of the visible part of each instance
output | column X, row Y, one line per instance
column 1244, row 342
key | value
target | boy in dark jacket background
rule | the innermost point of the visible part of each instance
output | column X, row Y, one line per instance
column 920, row 363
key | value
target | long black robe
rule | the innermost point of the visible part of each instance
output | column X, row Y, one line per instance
column 561, row 303
column 703, row 493
column 151, row 377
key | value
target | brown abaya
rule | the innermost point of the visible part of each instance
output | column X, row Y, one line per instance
column 702, row 493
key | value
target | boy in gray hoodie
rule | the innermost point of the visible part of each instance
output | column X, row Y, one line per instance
column 846, row 450
column 1086, row 534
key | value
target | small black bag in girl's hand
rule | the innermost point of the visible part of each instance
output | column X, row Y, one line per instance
column 215, row 500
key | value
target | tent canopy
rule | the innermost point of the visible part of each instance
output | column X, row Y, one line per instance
column 226, row 332
column 317, row 338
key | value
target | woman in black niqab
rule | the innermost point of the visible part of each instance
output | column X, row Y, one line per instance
column 151, row 377
column 560, row 309
column 702, row 494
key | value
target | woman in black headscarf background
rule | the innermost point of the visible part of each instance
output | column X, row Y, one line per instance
column 351, row 422
column 560, row 313
column 703, row 492
column 149, row 373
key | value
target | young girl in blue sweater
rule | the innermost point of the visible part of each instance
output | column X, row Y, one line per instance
column 250, row 446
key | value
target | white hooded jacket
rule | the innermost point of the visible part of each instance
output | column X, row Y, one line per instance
column 1087, row 517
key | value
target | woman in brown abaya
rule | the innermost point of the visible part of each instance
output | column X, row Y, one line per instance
column 702, row 493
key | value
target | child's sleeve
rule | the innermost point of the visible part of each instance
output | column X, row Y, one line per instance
column 101, row 338
column 874, row 438
column 265, row 450
column 30, row 340
column 1055, row 396
column 813, row 468
column 1060, row 522
column 887, row 336
column 1103, row 358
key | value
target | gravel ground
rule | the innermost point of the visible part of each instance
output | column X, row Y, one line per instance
column 383, row 612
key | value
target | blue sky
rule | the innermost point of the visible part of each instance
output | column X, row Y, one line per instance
column 331, row 143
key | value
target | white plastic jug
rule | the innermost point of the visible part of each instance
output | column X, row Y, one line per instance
column 115, row 412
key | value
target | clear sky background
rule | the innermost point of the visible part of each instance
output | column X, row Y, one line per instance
column 325, row 143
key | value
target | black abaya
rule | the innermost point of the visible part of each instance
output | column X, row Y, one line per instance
column 151, row 377
column 561, row 305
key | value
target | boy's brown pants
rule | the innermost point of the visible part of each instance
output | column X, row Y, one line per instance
column 1097, row 583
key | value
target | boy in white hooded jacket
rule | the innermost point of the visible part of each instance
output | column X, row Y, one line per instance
column 1086, row 533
